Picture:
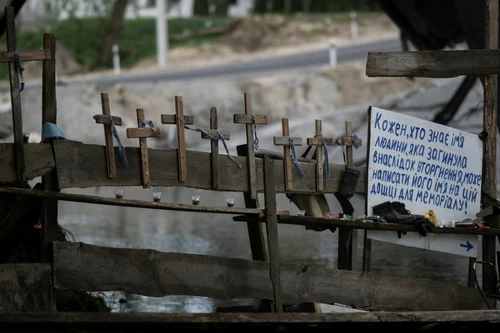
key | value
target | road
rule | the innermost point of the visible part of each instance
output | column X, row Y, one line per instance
column 303, row 60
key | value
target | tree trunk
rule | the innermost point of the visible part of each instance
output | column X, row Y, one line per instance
column 114, row 29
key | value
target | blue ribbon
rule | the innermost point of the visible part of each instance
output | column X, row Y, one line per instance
column 256, row 138
column 294, row 157
column 354, row 142
column 148, row 122
column 120, row 145
column 17, row 62
column 326, row 164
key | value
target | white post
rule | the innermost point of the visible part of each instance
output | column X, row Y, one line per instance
column 354, row 25
column 333, row 53
column 161, row 33
column 116, row 58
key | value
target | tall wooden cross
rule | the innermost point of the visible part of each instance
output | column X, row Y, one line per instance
column 445, row 64
column 142, row 133
column 319, row 141
column 105, row 119
column 287, row 159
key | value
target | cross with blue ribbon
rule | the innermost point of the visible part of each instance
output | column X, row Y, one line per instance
column 322, row 161
column 290, row 156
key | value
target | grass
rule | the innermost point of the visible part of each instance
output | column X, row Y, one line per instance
column 83, row 38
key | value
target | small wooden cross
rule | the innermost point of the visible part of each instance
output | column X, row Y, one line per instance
column 248, row 120
column 287, row 160
column 317, row 142
column 349, row 141
column 105, row 119
column 181, row 140
column 214, row 136
column 143, row 133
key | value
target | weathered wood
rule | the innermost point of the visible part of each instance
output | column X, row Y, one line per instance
column 172, row 120
column 358, row 225
column 105, row 120
column 490, row 107
column 25, row 288
column 274, row 155
column 27, row 55
column 15, row 94
column 49, row 218
column 132, row 203
column 143, row 134
column 133, row 319
column 214, row 145
column 83, row 267
column 102, row 119
column 38, row 157
column 272, row 233
column 317, row 142
column 181, row 140
column 249, row 118
column 283, row 140
column 287, row 161
column 433, row 64
column 214, row 134
column 79, row 165
column 348, row 141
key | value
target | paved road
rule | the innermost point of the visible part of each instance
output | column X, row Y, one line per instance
column 311, row 59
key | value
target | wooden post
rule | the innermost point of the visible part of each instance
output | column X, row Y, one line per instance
column 213, row 133
column 17, row 115
column 272, row 232
column 143, row 134
column 248, row 119
column 105, row 120
column 287, row 160
column 317, row 142
column 489, row 181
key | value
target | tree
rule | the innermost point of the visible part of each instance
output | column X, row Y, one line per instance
column 200, row 7
column 113, row 30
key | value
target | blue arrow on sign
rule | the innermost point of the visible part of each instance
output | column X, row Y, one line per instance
column 467, row 245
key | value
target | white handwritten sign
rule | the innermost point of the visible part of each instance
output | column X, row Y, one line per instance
column 425, row 166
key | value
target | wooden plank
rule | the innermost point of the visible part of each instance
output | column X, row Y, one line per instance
column 433, row 64
column 87, row 320
column 26, row 55
column 25, row 288
column 272, row 233
column 248, row 117
column 283, row 140
column 83, row 267
column 82, row 198
column 15, row 94
column 348, row 141
column 215, row 134
column 181, row 140
column 38, row 157
column 102, row 119
column 108, row 136
column 490, row 107
column 251, row 168
column 142, row 133
column 78, row 166
column 171, row 119
column 317, row 141
column 214, row 144
column 50, row 209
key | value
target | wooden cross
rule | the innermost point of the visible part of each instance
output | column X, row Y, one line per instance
column 248, row 119
column 445, row 64
column 181, row 140
column 214, row 136
column 142, row 133
column 105, row 119
column 317, row 142
column 349, row 141
column 287, row 160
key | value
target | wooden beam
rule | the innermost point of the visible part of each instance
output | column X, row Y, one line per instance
column 79, row 165
column 39, row 160
column 490, row 107
column 25, row 288
column 272, row 233
column 358, row 225
column 287, row 153
column 82, row 198
column 181, row 139
column 109, row 322
column 83, row 267
column 434, row 64
column 27, row 55
column 317, row 141
column 15, row 94
column 214, row 147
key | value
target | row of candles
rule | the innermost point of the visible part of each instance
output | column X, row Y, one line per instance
column 195, row 199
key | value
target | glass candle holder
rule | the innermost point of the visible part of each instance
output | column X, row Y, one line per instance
column 119, row 193
column 156, row 196
column 230, row 202
column 195, row 199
